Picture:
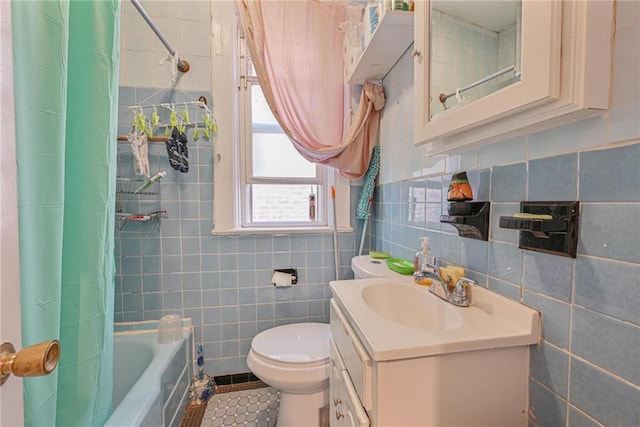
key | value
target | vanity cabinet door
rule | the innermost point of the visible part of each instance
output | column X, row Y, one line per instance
column 561, row 72
column 345, row 407
column 337, row 408
column 353, row 354
column 355, row 416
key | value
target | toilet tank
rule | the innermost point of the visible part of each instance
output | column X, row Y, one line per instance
column 365, row 267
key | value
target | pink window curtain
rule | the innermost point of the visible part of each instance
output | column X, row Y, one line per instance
column 296, row 49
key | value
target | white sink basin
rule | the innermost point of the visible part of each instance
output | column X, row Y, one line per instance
column 410, row 306
column 397, row 319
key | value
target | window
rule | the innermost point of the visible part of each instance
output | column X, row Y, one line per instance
column 278, row 187
column 249, row 178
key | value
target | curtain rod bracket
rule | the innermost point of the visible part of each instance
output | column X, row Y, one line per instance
column 183, row 66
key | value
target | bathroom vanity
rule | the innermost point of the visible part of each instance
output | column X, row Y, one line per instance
column 401, row 356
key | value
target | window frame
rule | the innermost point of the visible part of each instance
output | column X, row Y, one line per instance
column 246, row 178
column 227, row 156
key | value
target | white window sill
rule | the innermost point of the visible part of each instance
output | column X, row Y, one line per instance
column 279, row 231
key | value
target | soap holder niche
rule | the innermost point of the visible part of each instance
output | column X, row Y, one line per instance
column 551, row 227
column 474, row 224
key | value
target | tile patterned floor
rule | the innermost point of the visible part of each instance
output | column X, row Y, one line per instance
column 251, row 408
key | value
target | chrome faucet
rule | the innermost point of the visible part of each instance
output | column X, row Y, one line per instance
column 460, row 296
column 431, row 273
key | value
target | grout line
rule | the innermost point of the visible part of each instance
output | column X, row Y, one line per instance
column 604, row 371
column 600, row 258
column 583, row 413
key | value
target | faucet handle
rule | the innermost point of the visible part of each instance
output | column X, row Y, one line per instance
column 460, row 291
column 461, row 285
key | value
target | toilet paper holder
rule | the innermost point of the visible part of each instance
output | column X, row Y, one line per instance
column 290, row 271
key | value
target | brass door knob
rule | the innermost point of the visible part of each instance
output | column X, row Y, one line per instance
column 33, row 361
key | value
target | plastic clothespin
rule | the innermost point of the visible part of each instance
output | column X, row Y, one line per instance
column 196, row 132
column 185, row 115
column 155, row 118
column 140, row 121
column 173, row 117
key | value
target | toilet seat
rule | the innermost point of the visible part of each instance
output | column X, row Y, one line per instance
column 299, row 343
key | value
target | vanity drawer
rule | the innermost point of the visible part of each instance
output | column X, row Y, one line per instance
column 353, row 354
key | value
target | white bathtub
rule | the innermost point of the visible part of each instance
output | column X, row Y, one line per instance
column 151, row 381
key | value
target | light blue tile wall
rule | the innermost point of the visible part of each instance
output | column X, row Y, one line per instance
column 223, row 283
column 585, row 372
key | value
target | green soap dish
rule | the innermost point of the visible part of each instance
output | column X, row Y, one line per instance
column 400, row 265
column 379, row 255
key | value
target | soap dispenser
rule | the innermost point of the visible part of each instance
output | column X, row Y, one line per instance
column 423, row 267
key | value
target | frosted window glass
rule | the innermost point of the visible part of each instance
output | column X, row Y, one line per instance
column 274, row 156
column 260, row 111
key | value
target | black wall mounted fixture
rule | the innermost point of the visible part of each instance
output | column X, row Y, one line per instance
column 474, row 224
column 556, row 236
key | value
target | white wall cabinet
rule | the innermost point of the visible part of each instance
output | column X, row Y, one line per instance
column 565, row 76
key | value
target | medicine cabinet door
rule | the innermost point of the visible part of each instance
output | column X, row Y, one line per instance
column 471, row 70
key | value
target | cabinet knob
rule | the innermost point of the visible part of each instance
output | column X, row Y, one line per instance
column 416, row 52
column 339, row 415
column 337, row 401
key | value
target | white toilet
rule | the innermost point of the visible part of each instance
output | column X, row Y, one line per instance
column 294, row 359
column 365, row 267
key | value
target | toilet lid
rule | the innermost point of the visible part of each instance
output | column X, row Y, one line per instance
column 296, row 343
column 364, row 267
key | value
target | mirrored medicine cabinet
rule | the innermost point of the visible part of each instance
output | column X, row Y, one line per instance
column 474, row 50
column 485, row 70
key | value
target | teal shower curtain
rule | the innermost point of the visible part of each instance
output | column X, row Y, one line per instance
column 66, row 58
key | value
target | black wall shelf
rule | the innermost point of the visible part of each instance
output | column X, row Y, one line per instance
column 475, row 224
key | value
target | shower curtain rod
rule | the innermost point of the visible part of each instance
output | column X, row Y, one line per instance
column 490, row 77
column 183, row 65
